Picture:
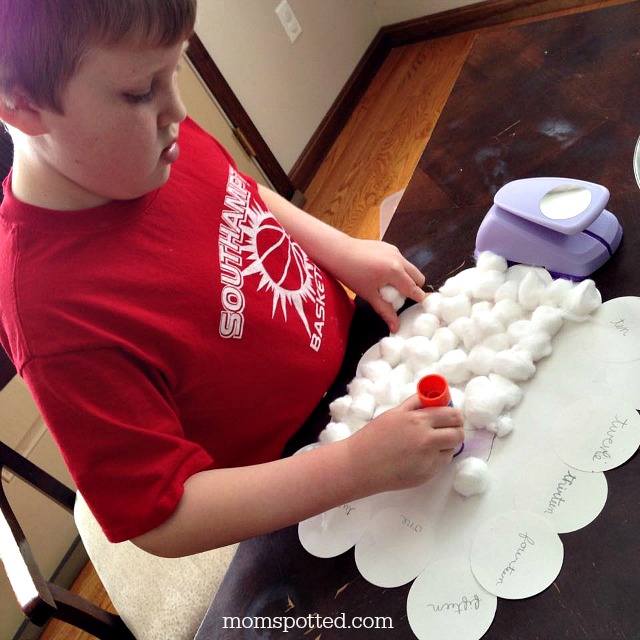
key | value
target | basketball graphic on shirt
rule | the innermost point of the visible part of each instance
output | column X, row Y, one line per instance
column 282, row 259
column 284, row 268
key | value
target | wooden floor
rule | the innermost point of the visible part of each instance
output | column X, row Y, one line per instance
column 373, row 158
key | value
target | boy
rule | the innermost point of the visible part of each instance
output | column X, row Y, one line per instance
column 176, row 322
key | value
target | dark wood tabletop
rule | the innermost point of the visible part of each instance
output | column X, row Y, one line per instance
column 560, row 98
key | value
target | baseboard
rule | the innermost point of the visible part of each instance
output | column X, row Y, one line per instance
column 476, row 16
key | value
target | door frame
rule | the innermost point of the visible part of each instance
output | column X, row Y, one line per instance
column 242, row 125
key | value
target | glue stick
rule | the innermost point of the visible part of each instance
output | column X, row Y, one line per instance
column 433, row 391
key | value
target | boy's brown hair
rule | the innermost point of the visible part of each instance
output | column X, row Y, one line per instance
column 42, row 42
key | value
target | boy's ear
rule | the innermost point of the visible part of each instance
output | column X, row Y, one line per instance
column 18, row 111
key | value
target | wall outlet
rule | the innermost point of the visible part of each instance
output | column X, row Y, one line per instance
column 289, row 20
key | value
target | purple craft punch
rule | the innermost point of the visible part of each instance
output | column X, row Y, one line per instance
column 556, row 223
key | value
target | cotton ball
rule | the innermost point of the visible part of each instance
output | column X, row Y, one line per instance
column 467, row 330
column 518, row 272
column 339, row 408
column 547, row 319
column 425, row 325
column 482, row 404
column 363, row 406
column 514, row 364
column 488, row 322
column 507, row 291
column 519, row 329
column 508, row 311
column 407, row 391
column 355, row 424
column 462, row 282
column 537, row 344
column 497, row 342
column 359, row 385
column 530, row 291
column 452, row 287
column 333, row 432
column 384, row 393
column 489, row 261
column 479, row 307
column 582, row 300
column 455, row 307
column 487, row 284
column 391, row 349
column 555, row 292
column 453, row 366
column 472, row 476
column 480, row 360
column 381, row 409
column 433, row 304
column 375, row 370
column 420, row 352
column 457, row 398
column 401, row 376
column 392, row 296
column 425, row 371
column 509, row 392
column 501, row 426
column 444, row 340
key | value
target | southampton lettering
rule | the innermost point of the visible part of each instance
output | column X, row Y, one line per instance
column 230, row 240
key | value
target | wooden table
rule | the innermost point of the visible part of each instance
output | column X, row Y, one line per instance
column 553, row 98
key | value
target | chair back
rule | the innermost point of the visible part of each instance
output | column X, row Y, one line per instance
column 39, row 599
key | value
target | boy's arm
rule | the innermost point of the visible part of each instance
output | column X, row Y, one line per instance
column 401, row 448
column 365, row 266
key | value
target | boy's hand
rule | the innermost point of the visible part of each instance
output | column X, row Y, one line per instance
column 405, row 446
column 369, row 265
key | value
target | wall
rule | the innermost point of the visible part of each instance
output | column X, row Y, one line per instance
column 205, row 111
column 286, row 88
column 392, row 11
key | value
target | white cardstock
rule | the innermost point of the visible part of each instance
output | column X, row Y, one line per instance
column 446, row 602
column 331, row 533
column 516, row 554
column 615, row 331
column 569, row 498
column 597, row 433
column 396, row 547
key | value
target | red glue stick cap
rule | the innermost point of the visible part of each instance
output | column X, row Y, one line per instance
column 433, row 391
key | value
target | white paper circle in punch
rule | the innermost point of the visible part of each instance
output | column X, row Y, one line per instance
column 614, row 331
column 396, row 547
column 597, row 433
column 516, row 554
column 569, row 498
column 446, row 602
column 331, row 533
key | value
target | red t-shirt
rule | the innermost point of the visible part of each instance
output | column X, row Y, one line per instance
column 180, row 331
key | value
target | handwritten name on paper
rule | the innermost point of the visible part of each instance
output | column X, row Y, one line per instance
column 557, row 498
column 348, row 509
column 407, row 522
column 614, row 428
column 527, row 542
column 620, row 326
column 458, row 607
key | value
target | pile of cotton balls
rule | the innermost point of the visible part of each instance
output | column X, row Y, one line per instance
column 484, row 331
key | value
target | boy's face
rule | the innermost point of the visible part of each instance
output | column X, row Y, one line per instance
column 116, row 138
